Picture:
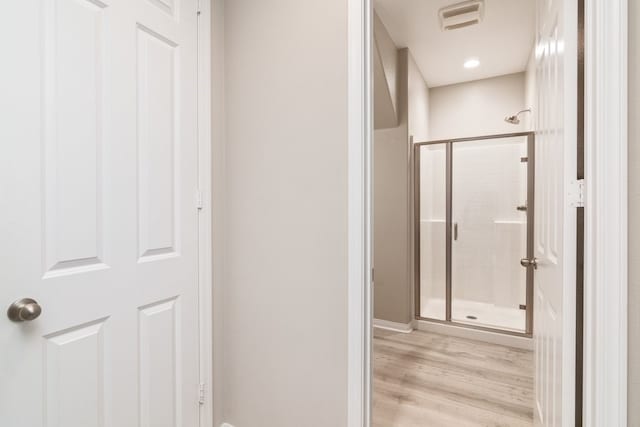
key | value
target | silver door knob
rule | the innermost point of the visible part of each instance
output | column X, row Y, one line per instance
column 526, row 262
column 24, row 310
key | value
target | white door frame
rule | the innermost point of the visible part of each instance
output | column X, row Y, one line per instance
column 605, row 288
column 360, row 150
column 204, row 200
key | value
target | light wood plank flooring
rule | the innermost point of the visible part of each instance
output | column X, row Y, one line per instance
column 431, row 380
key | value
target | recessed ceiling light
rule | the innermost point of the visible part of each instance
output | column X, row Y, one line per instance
column 471, row 63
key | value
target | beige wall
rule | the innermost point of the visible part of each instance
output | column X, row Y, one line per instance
column 634, row 215
column 530, row 92
column 477, row 108
column 385, row 64
column 284, row 296
column 418, row 125
column 418, row 94
column 393, row 223
column 392, row 297
column 218, row 148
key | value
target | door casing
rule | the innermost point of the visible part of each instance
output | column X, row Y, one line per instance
column 605, row 313
column 205, row 218
column 606, row 229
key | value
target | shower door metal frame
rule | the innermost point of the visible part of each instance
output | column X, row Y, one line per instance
column 449, row 229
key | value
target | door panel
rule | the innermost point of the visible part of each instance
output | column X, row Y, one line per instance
column 156, row 144
column 73, row 108
column 159, row 371
column 555, row 219
column 75, row 376
column 98, row 167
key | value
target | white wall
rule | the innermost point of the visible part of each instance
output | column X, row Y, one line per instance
column 285, row 201
column 634, row 215
column 476, row 108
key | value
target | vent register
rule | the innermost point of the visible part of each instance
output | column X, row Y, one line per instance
column 461, row 15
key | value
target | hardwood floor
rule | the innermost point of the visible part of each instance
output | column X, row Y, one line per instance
column 431, row 380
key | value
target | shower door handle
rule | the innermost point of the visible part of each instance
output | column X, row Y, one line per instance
column 455, row 231
column 526, row 263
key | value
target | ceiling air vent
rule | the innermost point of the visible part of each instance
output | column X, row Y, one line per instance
column 461, row 15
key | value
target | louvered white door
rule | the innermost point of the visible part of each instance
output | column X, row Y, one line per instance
column 98, row 173
column 555, row 217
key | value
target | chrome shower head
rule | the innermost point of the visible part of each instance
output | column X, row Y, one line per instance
column 515, row 119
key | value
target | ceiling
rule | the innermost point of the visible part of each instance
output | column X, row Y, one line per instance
column 502, row 41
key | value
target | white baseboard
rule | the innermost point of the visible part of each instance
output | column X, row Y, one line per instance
column 523, row 343
column 404, row 328
column 225, row 425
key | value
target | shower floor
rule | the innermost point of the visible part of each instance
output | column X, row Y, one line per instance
column 477, row 313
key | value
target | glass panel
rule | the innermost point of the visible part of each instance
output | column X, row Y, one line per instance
column 433, row 196
column 489, row 183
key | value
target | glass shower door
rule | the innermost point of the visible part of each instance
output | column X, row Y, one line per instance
column 431, row 227
column 489, row 233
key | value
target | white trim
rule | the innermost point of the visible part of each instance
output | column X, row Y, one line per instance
column 605, row 296
column 205, row 215
column 359, row 216
column 404, row 328
column 523, row 343
column 569, row 155
column 605, row 309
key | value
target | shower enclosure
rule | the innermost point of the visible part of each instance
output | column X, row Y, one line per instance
column 473, row 225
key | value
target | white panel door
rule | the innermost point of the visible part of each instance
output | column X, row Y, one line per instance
column 98, row 176
column 555, row 218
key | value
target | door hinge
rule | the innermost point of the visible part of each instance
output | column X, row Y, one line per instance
column 576, row 193
column 201, row 393
column 199, row 199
